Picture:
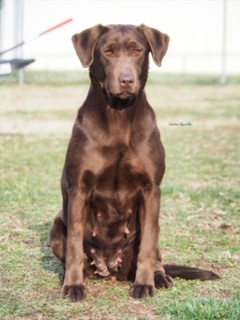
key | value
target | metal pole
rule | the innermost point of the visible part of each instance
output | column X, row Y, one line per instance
column 223, row 79
column 1, row 24
column 18, row 35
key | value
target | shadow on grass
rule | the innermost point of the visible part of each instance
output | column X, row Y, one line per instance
column 49, row 262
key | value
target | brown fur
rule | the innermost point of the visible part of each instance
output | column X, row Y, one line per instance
column 115, row 162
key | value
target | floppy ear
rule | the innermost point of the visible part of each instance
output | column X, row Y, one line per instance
column 157, row 41
column 85, row 42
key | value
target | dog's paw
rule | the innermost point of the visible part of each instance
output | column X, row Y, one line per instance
column 162, row 280
column 142, row 291
column 75, row 292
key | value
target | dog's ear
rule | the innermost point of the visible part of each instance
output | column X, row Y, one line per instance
column 158, row 43
column 84, row 44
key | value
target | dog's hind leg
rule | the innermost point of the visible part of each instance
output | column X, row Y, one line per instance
column 58, row 237
column 161, row 278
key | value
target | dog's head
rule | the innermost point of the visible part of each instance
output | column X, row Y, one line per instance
column 118, row 55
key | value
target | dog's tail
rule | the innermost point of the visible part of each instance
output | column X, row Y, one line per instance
column 189, row 273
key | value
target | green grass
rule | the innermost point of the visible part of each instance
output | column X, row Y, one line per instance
column 200, row 203
column 204, row 308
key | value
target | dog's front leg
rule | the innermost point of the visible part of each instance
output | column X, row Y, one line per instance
column 73, row 281
column 148, row 258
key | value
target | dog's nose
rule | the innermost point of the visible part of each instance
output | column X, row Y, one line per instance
column 126, row 80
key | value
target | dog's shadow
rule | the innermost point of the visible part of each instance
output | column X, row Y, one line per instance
column 49, row 262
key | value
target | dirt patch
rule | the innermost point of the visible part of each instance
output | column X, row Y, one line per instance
column 13, row 125
column 21, row 126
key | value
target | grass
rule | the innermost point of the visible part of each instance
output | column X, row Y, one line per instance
column 200, row 204
column 203, row 309
column 63, row 78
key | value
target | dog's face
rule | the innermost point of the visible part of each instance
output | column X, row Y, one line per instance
column 124, row 54
column 118, row 56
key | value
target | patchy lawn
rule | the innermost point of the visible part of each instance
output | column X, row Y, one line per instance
column 200, row 216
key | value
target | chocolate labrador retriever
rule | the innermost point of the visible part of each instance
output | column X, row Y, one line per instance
column 109, row 223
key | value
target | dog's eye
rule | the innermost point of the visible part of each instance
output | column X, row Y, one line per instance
column 109, row 52
column 136, row 51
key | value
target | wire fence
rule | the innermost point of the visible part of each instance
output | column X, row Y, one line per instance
column 186, row 66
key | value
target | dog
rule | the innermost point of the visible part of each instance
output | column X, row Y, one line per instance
column 115, row 161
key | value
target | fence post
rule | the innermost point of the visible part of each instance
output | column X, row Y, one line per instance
column 18, row 34
column 223, row 78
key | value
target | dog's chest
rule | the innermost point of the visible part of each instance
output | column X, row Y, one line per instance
column 117, row 152
column 115, row 168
